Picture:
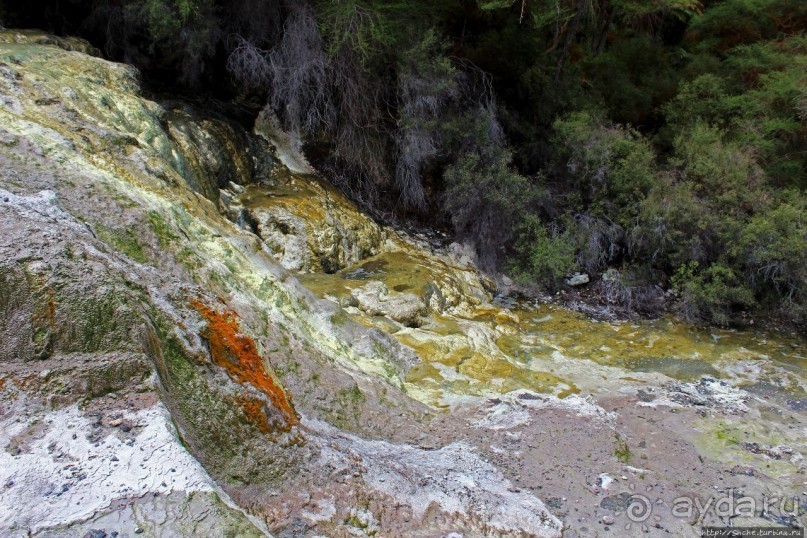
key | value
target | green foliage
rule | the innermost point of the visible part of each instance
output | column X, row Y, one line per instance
column 710, row 295
column 703, row 100
column 731, row 23
column 365, row 28
column 774, row 247
column 165, row 18
column 633, row 78
column 428, row 90
column 719, row 171
column 674, row 226
column 543, row 254
column 770, row 120
column 485, row 199
column 612, row 166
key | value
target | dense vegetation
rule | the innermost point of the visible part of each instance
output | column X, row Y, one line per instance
column 661, row 143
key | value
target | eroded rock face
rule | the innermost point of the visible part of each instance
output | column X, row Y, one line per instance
column 214, row 152
column 308, row 226
column 135, row 315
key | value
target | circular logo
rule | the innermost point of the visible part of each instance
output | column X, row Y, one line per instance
column 639, row 508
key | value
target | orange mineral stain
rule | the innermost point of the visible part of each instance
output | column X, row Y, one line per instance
column 254, row 410
column 237, row 354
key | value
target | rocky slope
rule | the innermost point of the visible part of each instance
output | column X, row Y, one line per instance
column 195, row 340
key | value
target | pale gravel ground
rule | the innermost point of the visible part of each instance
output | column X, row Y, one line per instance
column 453, row 477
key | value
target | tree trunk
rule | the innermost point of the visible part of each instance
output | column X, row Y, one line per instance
column 571, row 32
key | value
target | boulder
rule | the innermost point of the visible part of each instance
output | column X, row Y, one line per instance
column 577, row 279
column 376, row 299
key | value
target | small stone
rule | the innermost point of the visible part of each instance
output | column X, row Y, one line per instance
column 126, row 427
column 577, row 279
column 607, row 520
column 138, row 530
column 95, row 533
column 115, row 423
column 114, row 458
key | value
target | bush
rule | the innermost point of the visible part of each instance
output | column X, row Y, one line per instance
column 720, row 171
column 634, row 77
column 544, row 254
column 428, row 83
column 485, row 198
column 711, row 295
column 598, row 242
column 774, row 247
column 634, row 289
column 185, row 28
column 674, row 227
column 612, row 167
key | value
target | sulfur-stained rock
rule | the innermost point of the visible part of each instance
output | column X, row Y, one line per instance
column 309, row 226
column 37, row 37
column 376, row 299
column 285, row 234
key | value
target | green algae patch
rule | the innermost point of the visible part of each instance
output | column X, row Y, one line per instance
column 683, row 369
column 346, row 408
column 161, row 229
column 622, row 451
column 37, row 37
column 465, row 372
column 123, row 241
column 758, row 443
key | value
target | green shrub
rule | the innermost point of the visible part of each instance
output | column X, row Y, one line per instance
column 774, row 247
column 719, row 171
column 710, row 295
column 612, row 166
column 674, row 227
column 485, row 198
column 544, row 254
